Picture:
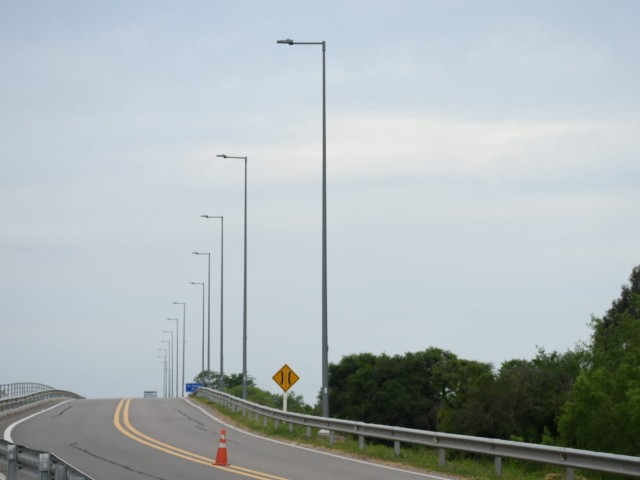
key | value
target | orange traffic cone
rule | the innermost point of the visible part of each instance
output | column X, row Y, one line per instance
column 221, row 456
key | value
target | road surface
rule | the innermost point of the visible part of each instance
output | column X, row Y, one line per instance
column 170, row 439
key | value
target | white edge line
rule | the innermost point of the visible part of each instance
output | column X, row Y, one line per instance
column 320, row 452
column 9, row 429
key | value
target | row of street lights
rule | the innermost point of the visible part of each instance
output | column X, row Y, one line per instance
column 325, row 346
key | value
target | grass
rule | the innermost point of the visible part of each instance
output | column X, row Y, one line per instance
column 460, row 465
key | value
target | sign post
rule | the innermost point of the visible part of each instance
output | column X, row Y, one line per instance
column 286, row 378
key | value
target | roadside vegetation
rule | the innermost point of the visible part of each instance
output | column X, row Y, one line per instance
column 587, row 397
column 472, row 467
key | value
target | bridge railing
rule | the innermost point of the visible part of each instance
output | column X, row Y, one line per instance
column 32, row 393
column 10, row 390
column 565, row 457
column 41, row 465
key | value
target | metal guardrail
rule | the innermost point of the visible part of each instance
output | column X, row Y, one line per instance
column 13, row 405
column 41, row 465
column 10, row 390
column 565, row 457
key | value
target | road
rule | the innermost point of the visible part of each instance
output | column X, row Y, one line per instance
column 169, row 439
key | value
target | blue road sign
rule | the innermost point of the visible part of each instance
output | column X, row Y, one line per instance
column 192, row 387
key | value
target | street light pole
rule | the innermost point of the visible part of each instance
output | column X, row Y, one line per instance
column 325, row 336
column 244, row 310
column 208, row 308
column 170, row 362
column 164, row 360
column 184, row 340
column 168, row 350
column 177, row 345
column 221, row 298
column 201, row 283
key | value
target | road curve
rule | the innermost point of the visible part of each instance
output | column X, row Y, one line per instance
column 169, row 439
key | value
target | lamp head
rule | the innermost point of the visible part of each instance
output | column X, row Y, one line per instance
column 222, row 156
column 288, row 41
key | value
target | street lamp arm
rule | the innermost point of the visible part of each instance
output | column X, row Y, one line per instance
column 229, row 156
column 288, row 41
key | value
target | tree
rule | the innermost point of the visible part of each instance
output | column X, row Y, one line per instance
column 522, row 401
column 233, row 386
column 405, row 391
column 211, row 379
column 603, row 412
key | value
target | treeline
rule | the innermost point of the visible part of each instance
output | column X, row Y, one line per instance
column 233, row 386
column 588, row 397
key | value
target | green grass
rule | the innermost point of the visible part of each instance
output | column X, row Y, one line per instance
column 457, row 464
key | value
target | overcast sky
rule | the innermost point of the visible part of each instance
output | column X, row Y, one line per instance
column 482, row 166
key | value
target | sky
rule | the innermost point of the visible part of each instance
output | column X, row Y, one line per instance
column 482, row 181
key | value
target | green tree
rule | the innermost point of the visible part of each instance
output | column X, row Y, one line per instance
column 603, row 412
column 211, row 379
column 233, row 386
column 403, row 390
column 522, row 401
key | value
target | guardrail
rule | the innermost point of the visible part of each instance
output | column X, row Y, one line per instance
column 13, row 405
column 565, row 457
column 10, row 390
column 41, row 465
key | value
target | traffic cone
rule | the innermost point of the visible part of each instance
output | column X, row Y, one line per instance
column 221, row 456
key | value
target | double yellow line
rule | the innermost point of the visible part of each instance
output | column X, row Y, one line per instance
column 122, row 411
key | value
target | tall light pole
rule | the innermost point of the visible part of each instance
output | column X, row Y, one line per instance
column 170, row 362
column 168, row 350
column 325, row 342
column 184, row 339
column 208, row 307
column 221, row 297
column 201, row 283
column 244, row 309
column 164, row 376
column 177, row 344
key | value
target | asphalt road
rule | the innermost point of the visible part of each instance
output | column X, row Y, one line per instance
column 169, row 439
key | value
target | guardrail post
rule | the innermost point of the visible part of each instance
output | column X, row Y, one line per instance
column 396, row 448
column 441, row 456
column 361, row 442
column 265, row 421
column 61, row 472
column 277, row 424
column 290, row 427
column 44, row 466
column 569, row 473
column 498, row 464
column 332, row 438
column 308, row 431
column 12, row 461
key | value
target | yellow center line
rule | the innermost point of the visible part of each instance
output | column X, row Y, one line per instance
column 131, row 432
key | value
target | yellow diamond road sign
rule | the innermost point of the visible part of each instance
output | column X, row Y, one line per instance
column 286, row 378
